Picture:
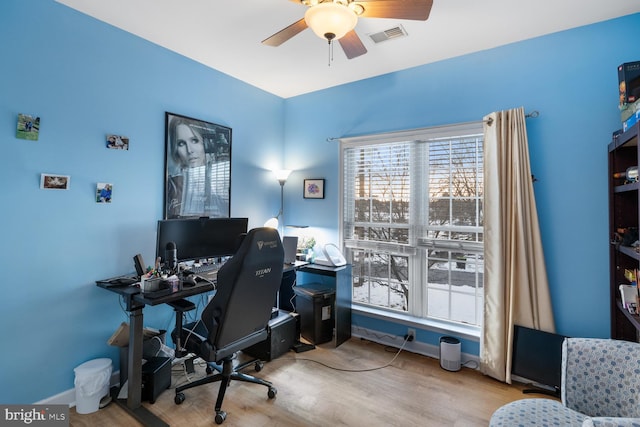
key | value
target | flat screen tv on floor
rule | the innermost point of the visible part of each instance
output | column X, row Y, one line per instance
column 537, row 357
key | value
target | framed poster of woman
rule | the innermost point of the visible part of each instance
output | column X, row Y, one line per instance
column 197, row 168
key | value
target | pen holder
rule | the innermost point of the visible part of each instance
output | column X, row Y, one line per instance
column 174, row 283
column 151, row 284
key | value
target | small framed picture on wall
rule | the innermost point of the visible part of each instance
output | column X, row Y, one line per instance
column 28, row 127
column 104, row 191
column 50, row 181
column 117, row 142
column 313, row 189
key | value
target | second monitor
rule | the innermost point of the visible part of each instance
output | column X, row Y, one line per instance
column 200, row 238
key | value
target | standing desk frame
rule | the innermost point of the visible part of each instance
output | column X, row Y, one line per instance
column 135, row 301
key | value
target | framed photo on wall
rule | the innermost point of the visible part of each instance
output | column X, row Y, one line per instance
column 313, row 189
column 50, row 181
column 197, row 168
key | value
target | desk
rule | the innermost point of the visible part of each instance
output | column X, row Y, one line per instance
column 135, row 302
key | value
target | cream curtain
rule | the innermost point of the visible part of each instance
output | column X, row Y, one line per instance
column 515, row 280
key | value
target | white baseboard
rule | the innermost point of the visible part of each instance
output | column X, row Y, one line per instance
column 418, row 347
column 68, row 397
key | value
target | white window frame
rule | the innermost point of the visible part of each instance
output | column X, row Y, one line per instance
column 417, row 310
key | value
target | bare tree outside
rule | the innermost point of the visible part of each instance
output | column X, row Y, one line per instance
column 383, row 204
column 382, row 225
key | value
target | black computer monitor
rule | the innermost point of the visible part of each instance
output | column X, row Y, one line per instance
column 200, row 238
column 537, row 356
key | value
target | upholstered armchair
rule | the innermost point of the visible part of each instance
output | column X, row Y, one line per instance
column 600, row 387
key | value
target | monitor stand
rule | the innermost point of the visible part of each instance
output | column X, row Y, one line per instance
column 549, row 392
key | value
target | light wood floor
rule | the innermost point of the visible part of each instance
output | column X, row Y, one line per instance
column 413, row 391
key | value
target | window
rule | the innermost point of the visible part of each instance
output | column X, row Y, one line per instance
column 412, row 221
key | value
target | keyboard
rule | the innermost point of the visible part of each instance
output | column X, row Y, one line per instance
column 204, row 272
column 207, row 276
column 202, row 269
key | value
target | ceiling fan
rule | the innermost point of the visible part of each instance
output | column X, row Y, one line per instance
column 336, row 20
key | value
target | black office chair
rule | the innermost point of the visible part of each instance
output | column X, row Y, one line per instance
column 237, row 316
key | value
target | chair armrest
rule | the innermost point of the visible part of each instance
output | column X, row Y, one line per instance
column 182, row 305
column 611, row 422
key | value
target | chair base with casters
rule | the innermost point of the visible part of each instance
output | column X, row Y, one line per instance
column 226, row 373
column 237, row 317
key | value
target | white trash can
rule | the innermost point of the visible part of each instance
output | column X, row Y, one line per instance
column 92, row 384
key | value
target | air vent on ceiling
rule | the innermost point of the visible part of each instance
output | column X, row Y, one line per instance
column 391, row 33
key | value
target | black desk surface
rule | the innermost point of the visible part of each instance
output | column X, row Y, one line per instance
column 295, row 265
column 186, row 291
column 134, row 292
column 322, row 269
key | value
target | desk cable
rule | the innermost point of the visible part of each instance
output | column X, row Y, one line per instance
column 292, row 300
column 345, row 369
column 183, row 367
column 211, row 282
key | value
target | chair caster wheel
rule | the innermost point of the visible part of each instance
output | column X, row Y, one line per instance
column 179, row 398
column 258, row 367
column 209, row 370
column 220, row 417
column 272, row 392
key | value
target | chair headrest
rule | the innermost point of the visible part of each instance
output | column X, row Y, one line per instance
column 247, row 287
column 258, row 239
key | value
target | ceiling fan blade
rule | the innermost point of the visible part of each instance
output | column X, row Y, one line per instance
column 417, row 10
column 352, row 45
column 285, row 34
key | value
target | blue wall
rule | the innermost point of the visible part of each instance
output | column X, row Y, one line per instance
column 569, row 77
column 86, row 79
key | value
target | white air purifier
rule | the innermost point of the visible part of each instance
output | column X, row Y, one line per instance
column 450, row 353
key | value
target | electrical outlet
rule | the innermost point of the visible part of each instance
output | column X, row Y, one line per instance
column 411, row 335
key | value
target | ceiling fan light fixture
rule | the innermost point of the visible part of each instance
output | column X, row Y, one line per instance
column 330, row 21
column 357, row 8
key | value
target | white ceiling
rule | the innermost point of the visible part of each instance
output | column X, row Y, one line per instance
column 226, row 35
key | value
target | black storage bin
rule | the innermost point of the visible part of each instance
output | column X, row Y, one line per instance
column 281, row 337
column 156, row 378
column 150, row 348
column 315, row 303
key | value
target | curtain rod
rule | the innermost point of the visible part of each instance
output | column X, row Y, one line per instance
column 532, row 115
